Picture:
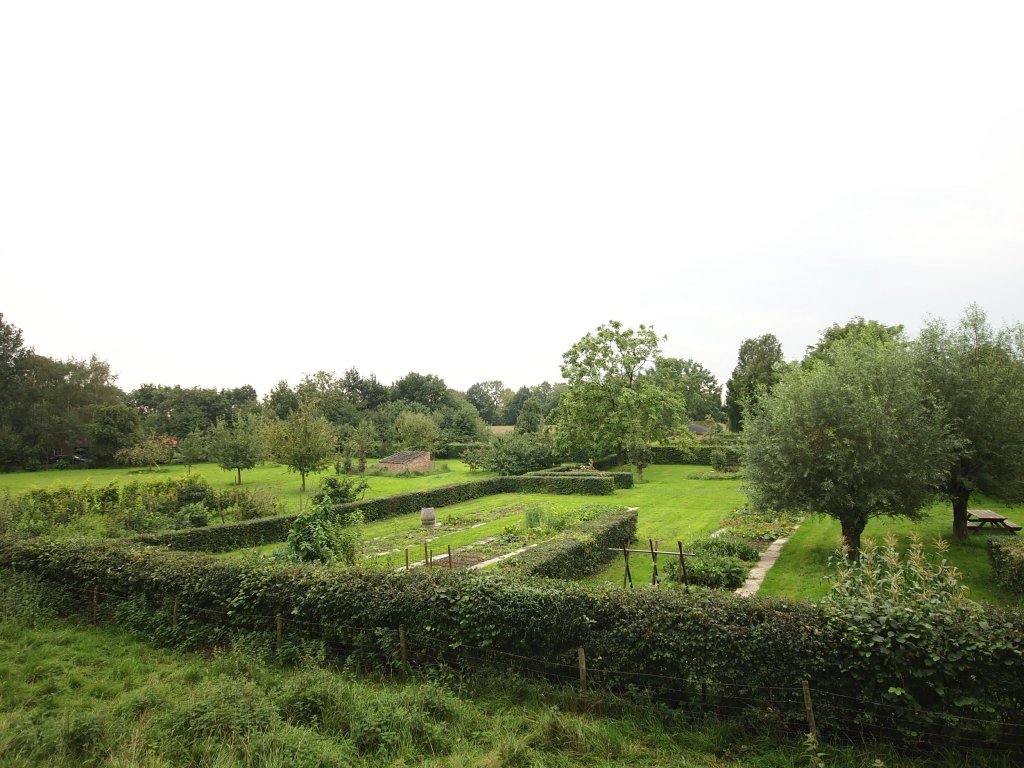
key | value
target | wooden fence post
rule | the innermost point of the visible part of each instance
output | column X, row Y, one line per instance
column 583, row 669
column 407, row 558
column 654, row 563
column 626, row 575
column 450, row 566
column 426, row 555
column 810, row 709
column 682, row 568
column 403, row 646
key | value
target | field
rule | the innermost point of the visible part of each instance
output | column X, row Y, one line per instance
column 673, row 507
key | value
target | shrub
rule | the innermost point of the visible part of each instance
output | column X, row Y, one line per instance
column 710, row 570
column 1007, row 558
column 318, row 536
column 338, row 490
column 582, row 550
column 725, row 458
column 517, row 453
column 726, row 546
column 768, row 525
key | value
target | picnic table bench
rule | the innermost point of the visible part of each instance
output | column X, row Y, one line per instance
column 977, row 518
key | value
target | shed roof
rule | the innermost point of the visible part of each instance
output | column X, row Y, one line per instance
column 404, row 457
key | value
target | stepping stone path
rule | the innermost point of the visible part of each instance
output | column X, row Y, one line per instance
column 764, row 564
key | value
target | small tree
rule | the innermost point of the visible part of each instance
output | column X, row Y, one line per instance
column 852, row 438
column 237, row 446
column 151, row 451
column 191, row 450
column 416, row 431
column 640, row 454
column 362, row 441
column 530, row 419
column 304, row 442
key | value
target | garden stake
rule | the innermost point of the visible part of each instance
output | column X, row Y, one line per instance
column 407, row 558
column 810, row 709
column 682, row 568
column 450, row 557
column 583, row 670
column 654, row 563
column 426, row 555
column 626, row 574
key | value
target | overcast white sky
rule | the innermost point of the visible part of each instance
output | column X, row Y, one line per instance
column 215, row 194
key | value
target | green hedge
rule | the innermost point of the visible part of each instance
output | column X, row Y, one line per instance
column 743, row 651
column 456, row 450
column 579, row 552
column 683, row 454
column 1007, row 557
column 223, row 538
column 622, row 480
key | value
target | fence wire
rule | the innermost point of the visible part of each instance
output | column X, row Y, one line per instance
column 839, row 718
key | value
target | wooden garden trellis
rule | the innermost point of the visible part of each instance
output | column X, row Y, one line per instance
column 627, row 576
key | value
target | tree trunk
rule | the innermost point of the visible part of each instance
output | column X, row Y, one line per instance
column 640, row 472
column 960, row 496
column 852, row 529
column 239, row 470
column 303, row 476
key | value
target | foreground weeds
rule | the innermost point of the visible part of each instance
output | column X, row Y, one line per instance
column 75, row 695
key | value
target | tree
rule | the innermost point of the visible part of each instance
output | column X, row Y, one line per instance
column 486, row 397
column 756, row 372
column 362, row 441
column 281, row 400
column 237, row 446
column 460, row 422
column 530, row 418
column 191, row 450
column 978, row 376
column 610, row 399
column 428, row 391
column 858, row 327
column 304, row 442
column 416, row 431
column 852, row 438
column 150, row 451
column 696, row 385
column 516, row 454
column 113, row 428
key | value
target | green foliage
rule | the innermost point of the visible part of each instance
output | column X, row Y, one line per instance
column 516, row 454
column 726, row 458
column 338, row 491
column 191, row 449
column 414, row 431
column 363, row 441
column 530, row 419
column 756, row 372
column 1007, row 558
column 237, row 446
column 709, row 570
column 868, row 331
column 581, row 549
column 113, row 427
column 726, row 545
column 696, row 385
column 852, row 438
column 150, row 451
column 977, row 375
column 319, row 535
column 222, row 538
column 304, row 442
column 908, row 636
column 760, row 524
column 612, row 396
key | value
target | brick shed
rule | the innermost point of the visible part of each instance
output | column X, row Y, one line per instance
column 407, row 461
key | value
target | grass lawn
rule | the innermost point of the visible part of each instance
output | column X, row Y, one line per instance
column 802, row 569
column 274, row 477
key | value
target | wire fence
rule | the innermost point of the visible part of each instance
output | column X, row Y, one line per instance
column 797, row 706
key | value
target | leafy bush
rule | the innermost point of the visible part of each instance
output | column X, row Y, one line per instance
column 516, row 453
column 338, row 490
column 1007, row 558
column 319, row 536
column 726, row 545
column 725, row 458
column 769, row 525
column 710, row 570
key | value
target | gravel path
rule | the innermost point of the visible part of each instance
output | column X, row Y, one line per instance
column 764, row 564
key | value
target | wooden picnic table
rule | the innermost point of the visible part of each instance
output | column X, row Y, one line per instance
column 976, row 518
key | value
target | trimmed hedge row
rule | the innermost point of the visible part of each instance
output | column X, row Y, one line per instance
column 622, row 479
column 1007, row 558
column 687, row 454
column 700, row 639
column 251, row 533
column 581, row 551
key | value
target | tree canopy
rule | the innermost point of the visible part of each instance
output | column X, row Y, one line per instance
column 304, row 442
column 611, row 400
column 854, row 437
column 977, row 374
column 756, row 371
